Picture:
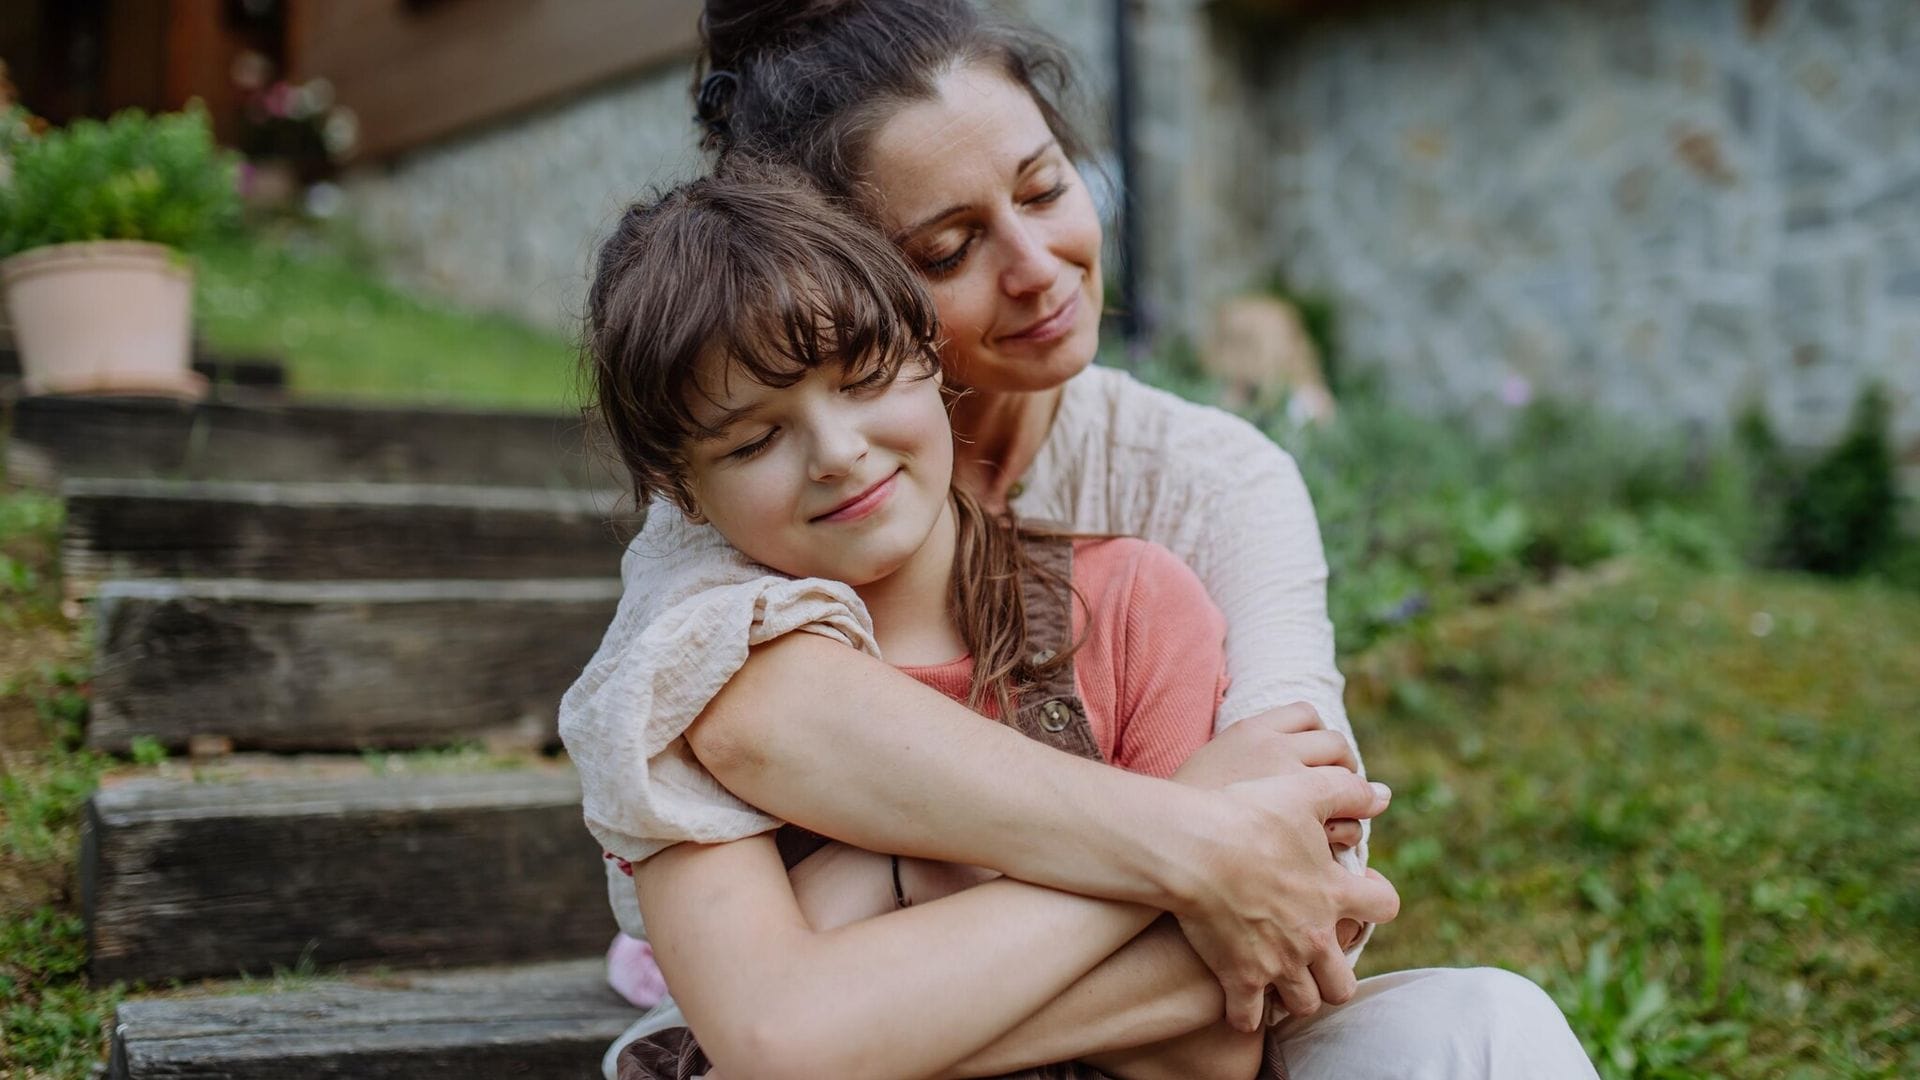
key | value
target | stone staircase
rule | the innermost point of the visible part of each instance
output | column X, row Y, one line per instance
column 292, row 594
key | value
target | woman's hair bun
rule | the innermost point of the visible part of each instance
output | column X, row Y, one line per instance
column 736, row 29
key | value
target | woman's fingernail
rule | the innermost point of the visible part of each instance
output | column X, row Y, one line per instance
column 1382, row 791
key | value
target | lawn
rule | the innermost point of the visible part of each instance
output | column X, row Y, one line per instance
column 309, row 298
column 1685, row 804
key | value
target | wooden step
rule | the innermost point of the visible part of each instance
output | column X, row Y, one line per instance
column 184, row 879
column 544, row 1022
column 340, row 665
column 52, row 438
column 137, row 529
column 254, row 377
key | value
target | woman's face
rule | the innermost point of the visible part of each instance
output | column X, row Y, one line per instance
column 976, row 190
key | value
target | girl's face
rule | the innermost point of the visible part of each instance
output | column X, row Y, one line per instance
column 976, row 190
column 842, row 475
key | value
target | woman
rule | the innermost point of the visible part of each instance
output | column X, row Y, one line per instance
column 946, row 129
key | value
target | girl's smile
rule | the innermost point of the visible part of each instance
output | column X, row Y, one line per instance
column 864, row 504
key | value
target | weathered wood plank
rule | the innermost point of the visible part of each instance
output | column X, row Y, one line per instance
column 344, row 665
column 549, row 1021
column 51, row 438
column 251, row 375
column 138, row 529
column 186, row 880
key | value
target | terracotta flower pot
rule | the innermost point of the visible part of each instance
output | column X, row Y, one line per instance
column 103, row 317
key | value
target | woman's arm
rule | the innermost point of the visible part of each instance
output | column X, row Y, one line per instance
column 909, row 993
column 737, row 945
column 820, row 735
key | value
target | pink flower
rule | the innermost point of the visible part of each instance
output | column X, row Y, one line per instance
column 279, row 100
column 1516, row 392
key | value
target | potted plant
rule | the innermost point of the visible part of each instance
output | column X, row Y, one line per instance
column 93, row 217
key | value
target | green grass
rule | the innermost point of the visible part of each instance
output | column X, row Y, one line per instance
column 29, row 529
column 313, row 302
column 52, row 1023
column 1686, row 804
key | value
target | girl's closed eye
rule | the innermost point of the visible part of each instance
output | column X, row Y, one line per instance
column 878, row 377
column 753, row 449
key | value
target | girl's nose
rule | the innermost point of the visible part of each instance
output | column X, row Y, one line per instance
column 836, row 450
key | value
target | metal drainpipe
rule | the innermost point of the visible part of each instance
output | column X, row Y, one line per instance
column 1133, row 322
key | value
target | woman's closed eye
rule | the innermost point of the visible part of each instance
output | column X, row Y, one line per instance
column 937, row 266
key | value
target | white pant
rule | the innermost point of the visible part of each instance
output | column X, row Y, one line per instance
column 1437, row 1024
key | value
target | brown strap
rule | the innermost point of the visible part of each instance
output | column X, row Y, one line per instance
column 1052, row 712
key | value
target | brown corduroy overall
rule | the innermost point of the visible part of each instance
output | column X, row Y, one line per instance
column 1050, row 712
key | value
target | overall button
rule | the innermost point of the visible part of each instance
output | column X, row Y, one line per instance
column 1042, row 657
column 1054, row 717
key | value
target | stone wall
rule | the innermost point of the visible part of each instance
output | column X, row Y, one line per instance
column 507, row 217
column 1670, row 208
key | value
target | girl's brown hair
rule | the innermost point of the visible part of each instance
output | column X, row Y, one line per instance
column 757, row 266
column 811, row 81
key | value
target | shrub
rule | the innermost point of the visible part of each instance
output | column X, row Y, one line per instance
column 133, row 177
column 1843, row 514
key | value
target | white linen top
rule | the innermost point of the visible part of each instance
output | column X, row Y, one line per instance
column 1122, row 458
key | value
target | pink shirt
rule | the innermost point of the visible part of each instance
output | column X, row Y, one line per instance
column 1152, row 665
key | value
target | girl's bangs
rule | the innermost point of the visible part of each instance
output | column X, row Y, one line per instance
column 821, row 303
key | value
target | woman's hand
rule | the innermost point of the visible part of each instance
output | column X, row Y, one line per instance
column 1265, row 898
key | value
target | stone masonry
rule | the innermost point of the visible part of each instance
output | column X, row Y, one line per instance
column 1670, row 208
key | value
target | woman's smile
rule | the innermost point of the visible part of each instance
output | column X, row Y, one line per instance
column 1051, row 327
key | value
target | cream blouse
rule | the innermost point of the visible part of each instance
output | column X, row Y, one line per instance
column 1122, row 458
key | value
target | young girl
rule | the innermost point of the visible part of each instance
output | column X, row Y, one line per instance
column 766, row 362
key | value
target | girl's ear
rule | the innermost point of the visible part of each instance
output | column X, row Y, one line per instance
column 683, row 499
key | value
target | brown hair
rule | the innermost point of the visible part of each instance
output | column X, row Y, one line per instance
column 757, row 265
column 810, row 81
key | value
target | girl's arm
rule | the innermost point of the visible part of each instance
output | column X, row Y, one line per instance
column 1153, row 1004
column 910, row 993
column 1151, row 1009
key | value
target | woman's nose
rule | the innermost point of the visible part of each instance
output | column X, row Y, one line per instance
column 1031, row 267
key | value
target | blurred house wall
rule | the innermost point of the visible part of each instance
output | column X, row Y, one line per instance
column 1670, row 208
